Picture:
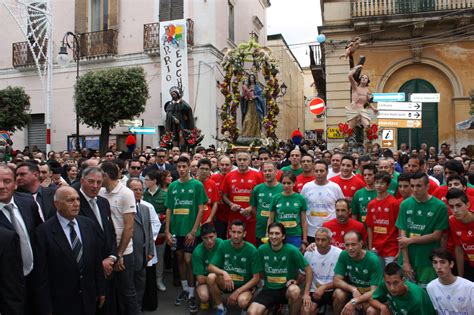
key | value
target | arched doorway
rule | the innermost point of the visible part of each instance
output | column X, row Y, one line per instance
column 429, row 132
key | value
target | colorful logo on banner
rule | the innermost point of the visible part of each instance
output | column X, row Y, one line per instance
column 174, row 35
column 4, row 134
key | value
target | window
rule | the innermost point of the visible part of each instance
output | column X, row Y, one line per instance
column 231, row 22
column 171, row 10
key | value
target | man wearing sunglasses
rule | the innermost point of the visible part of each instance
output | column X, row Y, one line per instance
column 161, row 164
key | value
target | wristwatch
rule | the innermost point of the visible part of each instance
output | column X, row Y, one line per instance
column 353, row 302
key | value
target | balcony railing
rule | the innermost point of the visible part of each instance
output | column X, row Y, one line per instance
column 362, row 8
column 98, row 44
column 316, row 56
column 151, row 35
column 22, row 56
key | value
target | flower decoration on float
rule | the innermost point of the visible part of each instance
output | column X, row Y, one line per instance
column 345, row 129
column 166, row 140
column 234, row 64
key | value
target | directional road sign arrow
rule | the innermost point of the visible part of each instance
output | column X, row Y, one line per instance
column 143, row 130
column 398, row 114
column 388, row 97
column 399, row 106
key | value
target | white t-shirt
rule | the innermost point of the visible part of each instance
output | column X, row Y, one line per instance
column 122, row 201
column 322, row 265
column 332, row 174
column 321, row 201
column 456, row 298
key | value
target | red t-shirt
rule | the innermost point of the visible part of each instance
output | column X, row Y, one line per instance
column 433, row 186
column 442, row 191
column 348, row 186
column 212, row 195
column 301, row 180
column 381, row 218
column 239, row 188
column 222, row 213
column 463, row 235
column 339, row 230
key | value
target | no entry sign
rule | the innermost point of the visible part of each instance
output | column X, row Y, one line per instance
column 317, row 106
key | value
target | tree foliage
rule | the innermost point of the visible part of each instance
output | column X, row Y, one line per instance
column 15, row 106
column 106, row 96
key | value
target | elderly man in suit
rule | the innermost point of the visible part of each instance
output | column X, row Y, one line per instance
column 143, row 242
column 69, row 278
column 19, row 214
column 12, row 288
column 97, row 209
column 28, row 181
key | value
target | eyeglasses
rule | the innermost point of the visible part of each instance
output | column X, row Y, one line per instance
column 108, row 155
column 135, row 167
column 254, row 159
column 161, row 156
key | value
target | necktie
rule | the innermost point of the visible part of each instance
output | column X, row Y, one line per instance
column 26, row 252
column 76, row 244
column 95, row 209
column 37, row 198
column 139, row 214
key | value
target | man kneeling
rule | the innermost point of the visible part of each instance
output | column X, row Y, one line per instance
column 233, row 269
column 280, row 264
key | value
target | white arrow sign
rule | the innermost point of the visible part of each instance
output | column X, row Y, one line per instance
column 398, row 114
column 425, row 97
column 399, row 106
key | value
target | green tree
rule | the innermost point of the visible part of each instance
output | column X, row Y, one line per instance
column 106, row 96
column 15, row 106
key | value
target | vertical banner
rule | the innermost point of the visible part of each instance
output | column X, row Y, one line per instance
column 174, row 60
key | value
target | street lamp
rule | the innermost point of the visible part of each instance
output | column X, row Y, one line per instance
column 63, row 61
column 283, row 88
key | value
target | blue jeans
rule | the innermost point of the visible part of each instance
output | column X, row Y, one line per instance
column 294, row 240
column 126, row 294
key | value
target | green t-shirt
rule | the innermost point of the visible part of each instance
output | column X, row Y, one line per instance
column 279, row 266
column 470, row 185
column 158, row 201
column 241, row 264
column 361, row 274
column 202, row 257
column 420, row 219
column 288, row 168
column 261, row 199
column 288, row 211
column 393, row 188
column 360, row 201
column 184, row 200
column 415, row 302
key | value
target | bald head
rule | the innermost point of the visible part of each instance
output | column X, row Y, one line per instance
column 66, row 200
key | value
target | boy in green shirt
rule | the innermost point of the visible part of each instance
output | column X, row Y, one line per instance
column 280, row 264
column 202, row 255
column 396, row 296
column 357, row 274
column 261, row 198
column 234, row 269
column 363, row 196
column 184, row 207
column 421, row 221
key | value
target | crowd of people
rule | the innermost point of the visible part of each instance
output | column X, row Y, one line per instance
column 295, row 231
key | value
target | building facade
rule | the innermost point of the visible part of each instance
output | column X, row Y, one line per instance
column 122, row 33
column 410, row 46
column 291, row 104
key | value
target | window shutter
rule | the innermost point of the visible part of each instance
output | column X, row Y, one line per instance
column 80, row 18
column 113, row 13
column 165, row 10
column 177, row 9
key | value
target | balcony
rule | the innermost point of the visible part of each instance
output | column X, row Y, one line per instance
column 22, row 56
column 100, row 44
column 151, row 36
column 317, row 62
column 366, row 8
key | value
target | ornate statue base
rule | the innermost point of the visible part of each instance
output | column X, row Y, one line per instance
column 245, row 141
column 356, row 141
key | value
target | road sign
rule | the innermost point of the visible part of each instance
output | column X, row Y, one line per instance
column 388, row 137
column 333, row 133
column 388, row 97
column 399, row 106
column 399, row 114
column 316, row 106
column 143, row 130
column 399, row 123
column 425, row 97
column 130, row 123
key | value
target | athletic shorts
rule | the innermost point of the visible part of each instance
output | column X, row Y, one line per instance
column 424, row 275
column 270, row 298
column 294, row 240
column 187, row 249
column 326, row 299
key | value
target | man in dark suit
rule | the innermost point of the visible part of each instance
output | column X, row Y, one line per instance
column 161, row 165
column 69, row 278
column 19, row 213
column 27, row 181
column 12, row 288
column 143, row 242
column 97, row 209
